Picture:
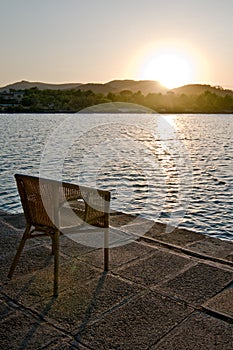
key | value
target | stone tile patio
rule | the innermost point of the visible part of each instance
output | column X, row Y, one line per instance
column 163, row 291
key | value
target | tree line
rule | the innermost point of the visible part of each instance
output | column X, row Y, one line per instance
column 74, row 100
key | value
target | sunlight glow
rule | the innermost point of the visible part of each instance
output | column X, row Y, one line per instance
column 171, row 62
column 170, row 69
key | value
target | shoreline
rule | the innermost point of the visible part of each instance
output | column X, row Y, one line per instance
column 77, row 112
column 180, row 239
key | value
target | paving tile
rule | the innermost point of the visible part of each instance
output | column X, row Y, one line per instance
column 95, row 239
column 178, row 236
column 121, row 219
column 83, row 302
column 6, row 230
column 16, row 220
column 213, row 247
column 138, row 227
column 198, row 331
column 9, row 244
column 75, row 272
column 62, row 344
column 5, row 309
column 153, row 269
column 156, row 230
column 198, row 283
column 119, row 255
column 222, row 303
column 9, row 240
column 37, row 286
column 21, row 331
column 136, row 325
column 26, row 289
column 72, row 248
column 31, row 260
column 79, row 346
column 229, row 257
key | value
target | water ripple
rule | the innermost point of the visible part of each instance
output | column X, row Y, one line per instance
column 136, row 165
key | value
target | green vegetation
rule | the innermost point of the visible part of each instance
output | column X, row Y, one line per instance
column 73, row 100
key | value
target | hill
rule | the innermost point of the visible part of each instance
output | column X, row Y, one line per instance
column 115, row 86
column 145, row 86
column 197, row 89
column 24, row 84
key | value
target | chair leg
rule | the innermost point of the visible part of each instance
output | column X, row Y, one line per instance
column 106, row 249
column 106, row 259
column 56, row 262
column 26, row 235
column 53, row 244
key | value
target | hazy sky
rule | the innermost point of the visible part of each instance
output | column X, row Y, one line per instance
column 101, row 40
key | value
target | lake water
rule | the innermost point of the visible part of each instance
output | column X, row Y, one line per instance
column 175, row 169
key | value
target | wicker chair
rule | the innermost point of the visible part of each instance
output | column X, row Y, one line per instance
column 44, row 199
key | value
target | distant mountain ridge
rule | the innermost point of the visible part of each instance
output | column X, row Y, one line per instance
column 196, row 89
column 116, row 86
column 24, row 84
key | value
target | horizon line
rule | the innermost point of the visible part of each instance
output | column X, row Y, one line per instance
column 226, row 87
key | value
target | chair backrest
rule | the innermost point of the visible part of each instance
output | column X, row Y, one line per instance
column 42, row 200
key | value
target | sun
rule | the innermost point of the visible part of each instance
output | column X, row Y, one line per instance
column 169, row 68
